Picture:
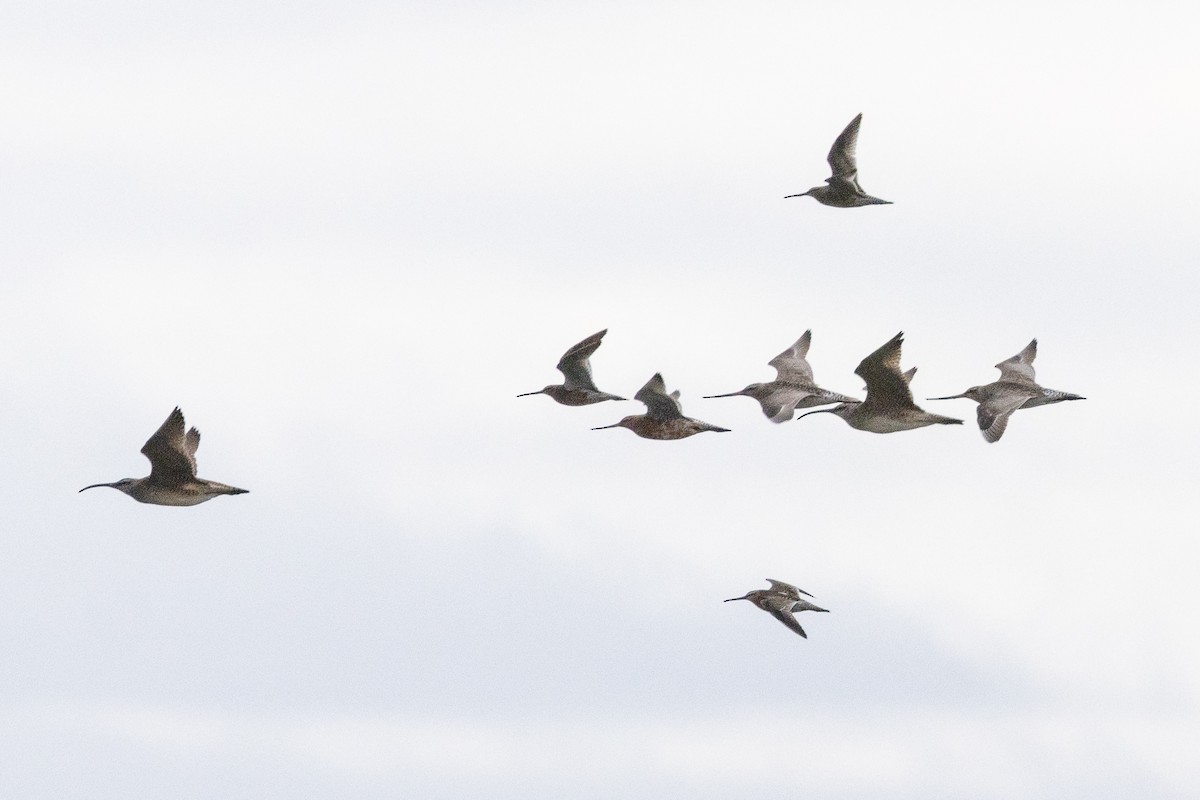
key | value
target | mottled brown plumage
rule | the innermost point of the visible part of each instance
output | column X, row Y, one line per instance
column 781, row 601
column 664, row 417
column 172, row 480
column 577, row 388
column 889, row 406
column 842, row 188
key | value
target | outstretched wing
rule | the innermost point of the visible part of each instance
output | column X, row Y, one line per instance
column 791, row 365
column 172, row 454
column 786, row 588
column 886, row 386
column 659, row 404
column 574, row 363
column 841, row 155
column 1019, row 368
column 787, row 619
column 994, row 412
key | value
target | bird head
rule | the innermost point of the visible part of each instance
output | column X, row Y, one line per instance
column 749, row 391
column 974, row 393
column 124, row 485
column 627, row 422
column 841, row 410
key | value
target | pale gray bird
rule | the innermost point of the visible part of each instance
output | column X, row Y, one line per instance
column 793, row 386
column 172, row 480
column 664, row 417
column 889, row 405
column 1015, row 389
column 577, row 388
column 842, row 189
column 781, row 601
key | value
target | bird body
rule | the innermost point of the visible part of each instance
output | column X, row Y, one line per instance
column 781, row 601
column 842, row 189
column 793, row 386
column 889, row 406
column 1017, row 388
column 577, row 388
column 664, row 417
column 172, row 480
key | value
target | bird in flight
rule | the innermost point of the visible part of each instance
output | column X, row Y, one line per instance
column 172, row 480
column 577, row 388
column 842, row 188
column 664, row 417
column 1015, row 389
column 782, row 601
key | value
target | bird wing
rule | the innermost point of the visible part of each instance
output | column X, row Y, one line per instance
column 1019, row 368
column 192, row 443
column 172, row 454
column 841, row 155
column 791, row 365
column 785, row 616
column 779, row 406
column 786, row 588
column 659, row 404
column 574, row 363
column 994, row 412
column 886, row 386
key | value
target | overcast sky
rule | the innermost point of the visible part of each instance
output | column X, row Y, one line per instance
column 344, row 236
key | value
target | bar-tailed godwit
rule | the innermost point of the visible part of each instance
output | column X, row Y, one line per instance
column 664, row 417
column 782, row 601
column 842, row 189
column 577, row 388
column 793, row 386
column 1016, row 388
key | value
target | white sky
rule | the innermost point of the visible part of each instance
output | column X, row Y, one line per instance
column 342, row 237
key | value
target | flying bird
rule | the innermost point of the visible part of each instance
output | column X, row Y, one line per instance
column 889, row 405
column 664, row 417
column 577, row 388
column 1015, row 389
column 172, row 480
column 793, row 386
column 782, row 601
column 842, row 189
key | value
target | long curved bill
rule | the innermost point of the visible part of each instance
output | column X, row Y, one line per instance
column 527, row 394
column 94, row 485
column 818, row 411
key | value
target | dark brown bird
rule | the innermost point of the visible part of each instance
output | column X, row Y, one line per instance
column 889, row 405
column 842, row 189
column 781, row 601
column 664, row 417
column 172, row 480
column 578, row 388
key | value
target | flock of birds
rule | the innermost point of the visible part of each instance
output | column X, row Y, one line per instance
column 887, row 408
